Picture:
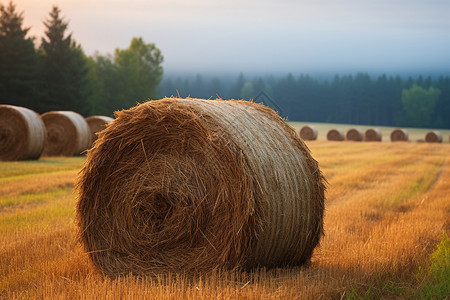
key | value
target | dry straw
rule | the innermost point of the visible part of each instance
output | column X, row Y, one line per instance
column 372, row 135
column 355, row 135
column 335, row 135
column 97, row 124
column 308, row 133
column 433, row 137
column 22, row 133
column 67, row 133
column 190, row 185
column 399, row 135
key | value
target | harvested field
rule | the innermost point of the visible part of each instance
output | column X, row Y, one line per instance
column 391, row 243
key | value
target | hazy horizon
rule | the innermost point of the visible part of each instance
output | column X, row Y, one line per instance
column 264, row 37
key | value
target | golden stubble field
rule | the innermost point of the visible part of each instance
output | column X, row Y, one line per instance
column 387, row 215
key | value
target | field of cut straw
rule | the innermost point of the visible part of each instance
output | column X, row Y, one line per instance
column 386, row 234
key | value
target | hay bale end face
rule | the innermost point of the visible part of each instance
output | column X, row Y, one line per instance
column 308, row 133
column 67, row 133
column 372, row 135
column 399, row 135
column 191, row 185
column 433, row 137
column 335, row 135
column 97, row 124
column 22, row 133
column 354, row 134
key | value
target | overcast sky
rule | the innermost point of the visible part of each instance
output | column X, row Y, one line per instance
column 262, row 36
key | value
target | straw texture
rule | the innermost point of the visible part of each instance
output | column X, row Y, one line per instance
column 335, row 135
column 355, row 135
column 67, row 133
column 433, row 137
column 191, row 185
column 97, row 124
column 372, row 135
column 308, row 133
column 22, row 133
column 399, row 135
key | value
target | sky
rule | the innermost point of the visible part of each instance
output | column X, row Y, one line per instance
column 263, row 36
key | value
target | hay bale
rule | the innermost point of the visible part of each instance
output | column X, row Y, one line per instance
column 308, row 133
column 399, row 135
column 372, row 135
column 190, row 185
column 433, row 137
column 335, row 135
column 67, row 133
column 97, row 124
column 354, row 134
column 22, row 133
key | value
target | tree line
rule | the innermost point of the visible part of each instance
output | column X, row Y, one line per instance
column 55, row 74
column 353, row 99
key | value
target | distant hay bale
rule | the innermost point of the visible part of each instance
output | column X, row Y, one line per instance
column 433, row 137
column 22, row 133
column 97, row 124
column 191, row 185
column 354, row 134
column 308, row 133
column 399, row 135
column 335, row 135
column 372, row 135
column 67, row 133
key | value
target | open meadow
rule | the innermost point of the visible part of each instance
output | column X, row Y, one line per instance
column 387, row 223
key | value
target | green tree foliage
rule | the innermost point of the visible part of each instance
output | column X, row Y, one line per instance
column 131, row 76
column 64, row 70
column 18, row 60
column 419, row 105
column 354, row 99
column 247, row 91
column 140, row 72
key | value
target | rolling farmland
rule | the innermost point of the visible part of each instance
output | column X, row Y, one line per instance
column 386, row 233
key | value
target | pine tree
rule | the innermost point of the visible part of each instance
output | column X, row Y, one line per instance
column 64, row 68
column 18, row 60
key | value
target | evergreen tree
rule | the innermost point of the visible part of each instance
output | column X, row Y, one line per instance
column 18, row 60
column 236, row 88
column 64, row 70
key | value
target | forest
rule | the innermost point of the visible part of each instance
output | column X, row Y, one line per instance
column 54, row 73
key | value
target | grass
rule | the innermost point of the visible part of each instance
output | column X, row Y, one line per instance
column 386, row 227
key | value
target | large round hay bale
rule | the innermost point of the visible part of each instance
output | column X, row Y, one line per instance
column 433, row 137
column 354, row 134
column 335, row 135
column 67, row 133
column 22, row 133
column 190, row 185
column 372, row 135
column 97, row 124
column 308, row 133
column 399, row 135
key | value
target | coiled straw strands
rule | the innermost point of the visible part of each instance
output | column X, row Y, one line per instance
column 355, row 135
column 335, row 135
column 67, row 133
column 372, row 135
column 399, row 135
column 97, row 124
column 22, row 133
column 433, row 137
column 191, row 185
column 308, row 133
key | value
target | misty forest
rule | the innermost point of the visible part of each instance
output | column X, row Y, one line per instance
column 53, row 73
